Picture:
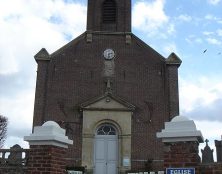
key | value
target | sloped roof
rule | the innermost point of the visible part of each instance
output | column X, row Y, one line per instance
column 139, row 42
column 73, row 42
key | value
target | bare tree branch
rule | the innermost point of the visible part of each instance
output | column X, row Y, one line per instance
column 3, row 129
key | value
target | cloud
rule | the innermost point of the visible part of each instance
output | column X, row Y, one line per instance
column 211, row 111
column 219, row 32
column 12, row 84
column 198, row 40
column 210, row 130
column 214, row 2
column 184, row 17
column 201, row 99
column 19, row 111
column 191, row 39
column 211, row 17
column 169, row 48
column 12, row 140
column 213, row 41
column 26, row 27
column 171, row 29
column 150, row 17
column 208, row 33
column 210, row 37
column 22, row 105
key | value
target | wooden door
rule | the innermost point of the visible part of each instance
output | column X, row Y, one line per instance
column 106, row 152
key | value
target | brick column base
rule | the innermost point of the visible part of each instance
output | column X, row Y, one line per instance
column 46, row 159
column 181, row 154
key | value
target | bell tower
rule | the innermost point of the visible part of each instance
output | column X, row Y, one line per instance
column 109, row 15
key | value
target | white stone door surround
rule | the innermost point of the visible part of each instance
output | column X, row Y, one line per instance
column 107, row 110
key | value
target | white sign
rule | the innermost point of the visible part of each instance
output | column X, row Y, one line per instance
column 180, row 171
column 126, row 162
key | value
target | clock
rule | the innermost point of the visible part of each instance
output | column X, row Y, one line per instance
column 109, row 54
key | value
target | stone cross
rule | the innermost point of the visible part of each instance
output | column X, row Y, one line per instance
column 207, row 141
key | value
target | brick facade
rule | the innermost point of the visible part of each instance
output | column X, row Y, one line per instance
column 75, row 74
column 123, row 17
column 77, row 77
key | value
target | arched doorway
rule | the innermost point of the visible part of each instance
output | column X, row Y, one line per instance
column 106, row 150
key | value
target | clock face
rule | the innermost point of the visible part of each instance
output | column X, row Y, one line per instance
column 109, row 54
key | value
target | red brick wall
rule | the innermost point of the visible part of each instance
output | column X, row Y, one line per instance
column 46, row 160
column 75, row 75
column 212, row 168
column 173, row 90
column 41, row 91
column 123, row 23
column 181, row 154
column 185, row 154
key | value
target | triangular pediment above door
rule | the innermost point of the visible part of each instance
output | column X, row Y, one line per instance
column 107, row 102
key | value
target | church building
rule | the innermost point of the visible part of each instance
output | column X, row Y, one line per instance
column 110, row 91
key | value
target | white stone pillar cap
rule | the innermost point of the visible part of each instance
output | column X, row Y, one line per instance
column 50, row 133
column 180, row 129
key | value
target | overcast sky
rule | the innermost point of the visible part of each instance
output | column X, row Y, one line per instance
column 190, row 28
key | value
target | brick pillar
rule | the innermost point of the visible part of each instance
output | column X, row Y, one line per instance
column 46, row 160
column 173, row 62
column 181, row 154
column 43, row 59
column 218, row 145
column 181, row 142
column 48, row 146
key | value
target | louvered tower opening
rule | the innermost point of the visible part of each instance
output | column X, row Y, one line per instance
column 109, row 11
